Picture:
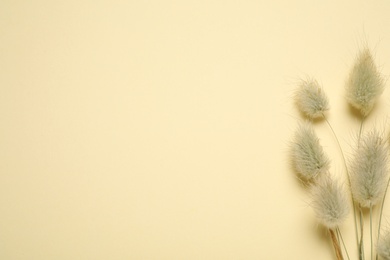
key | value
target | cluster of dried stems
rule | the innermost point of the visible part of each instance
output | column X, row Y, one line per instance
column 367, row 171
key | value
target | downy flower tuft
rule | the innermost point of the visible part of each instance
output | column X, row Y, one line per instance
column 311, row 99
column 365, row 84
column 369, row 170
column 330, row 202
column 307, row 154
column 383, row 247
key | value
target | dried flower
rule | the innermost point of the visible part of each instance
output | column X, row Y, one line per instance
column 365, row 84
column 369, row 170
column 383, row 247
column 330, row 202
column 311, row 99
column 307, row 154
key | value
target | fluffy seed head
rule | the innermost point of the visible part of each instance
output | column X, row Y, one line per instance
column 311, row 99
column 330, row 202
column 369, row 170
column 365, row 84
column 307, row 154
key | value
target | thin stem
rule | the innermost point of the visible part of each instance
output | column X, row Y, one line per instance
column 371, row 230
column 349, row 180
column 338, row 235
column 338, row 143
column 361, row 235
column 342, row 241
column 336, row 245
column 381, row 213
column 361, row 214
column 360, row 130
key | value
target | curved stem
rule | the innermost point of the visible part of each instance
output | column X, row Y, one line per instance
column 338, row 143
column 349, row 180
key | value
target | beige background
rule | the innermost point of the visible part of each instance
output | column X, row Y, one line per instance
column 160, row 129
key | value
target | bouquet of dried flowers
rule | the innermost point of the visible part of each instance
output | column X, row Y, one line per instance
column 367, row 171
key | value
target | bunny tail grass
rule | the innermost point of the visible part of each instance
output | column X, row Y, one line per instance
column 311, row 99
column 369, row 170
column 307, row 154
column 365, row 84
column 330, row 202
column 383, row 246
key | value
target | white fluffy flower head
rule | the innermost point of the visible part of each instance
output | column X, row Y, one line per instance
column 307, row 154
column 369, row 170
column 365, row 84
column 311, row 99
column 330, row 202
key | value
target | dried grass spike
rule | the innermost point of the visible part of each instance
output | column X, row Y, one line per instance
column 311, row 99
column 330, row 202
column 307, row 154
column 365, row 84
column 369, row 170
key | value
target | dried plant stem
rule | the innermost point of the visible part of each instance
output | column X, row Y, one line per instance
column 361, row 252
column 338, row 235
column 342, row 241
column 336, row 245
column 381, row 213
column 361, row 248
column 372, row 248
column 349, row 180
column 360, row 130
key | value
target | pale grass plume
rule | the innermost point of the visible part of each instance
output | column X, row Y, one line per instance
column 365, row 83
column 307, row 154
column 383, row 246
column 330, row 202
column 311, row 99
column 369, row 169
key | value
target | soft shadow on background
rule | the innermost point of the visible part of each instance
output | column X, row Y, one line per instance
column 160, row 129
